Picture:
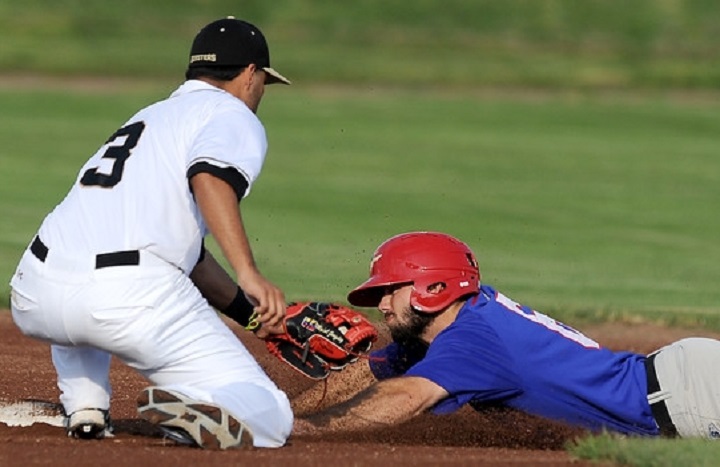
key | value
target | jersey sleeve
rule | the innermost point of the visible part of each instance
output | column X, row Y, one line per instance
column 471, row 364
column 229, row 175
column 231, row 146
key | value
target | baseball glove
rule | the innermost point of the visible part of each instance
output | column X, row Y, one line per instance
column 321, row 337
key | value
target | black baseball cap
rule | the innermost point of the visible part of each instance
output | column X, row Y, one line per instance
column 232, row 42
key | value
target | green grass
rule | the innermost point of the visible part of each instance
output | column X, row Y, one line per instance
column 570, row 204
column 647, row 453
column 579, row 206
column 461, row 43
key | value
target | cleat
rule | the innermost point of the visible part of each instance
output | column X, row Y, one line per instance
column 89, row 424
column 190, row 422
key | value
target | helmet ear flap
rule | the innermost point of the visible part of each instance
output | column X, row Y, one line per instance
column 430, row 297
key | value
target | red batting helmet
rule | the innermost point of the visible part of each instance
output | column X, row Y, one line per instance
column 422, row 259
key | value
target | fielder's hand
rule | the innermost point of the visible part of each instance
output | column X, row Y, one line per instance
column 268, row 299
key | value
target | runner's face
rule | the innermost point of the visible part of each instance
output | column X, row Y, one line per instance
column 395, row 299
column 404, row 323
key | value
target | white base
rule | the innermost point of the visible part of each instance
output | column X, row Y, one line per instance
column 29, row 412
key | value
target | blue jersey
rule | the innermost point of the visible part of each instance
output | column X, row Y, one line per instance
column 500, row 352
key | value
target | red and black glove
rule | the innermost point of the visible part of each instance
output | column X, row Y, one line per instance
column 322, row 337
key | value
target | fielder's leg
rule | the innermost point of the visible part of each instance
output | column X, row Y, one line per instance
column 169, row 333
column 84, row 382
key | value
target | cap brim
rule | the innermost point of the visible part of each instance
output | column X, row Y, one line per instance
column 274, row 77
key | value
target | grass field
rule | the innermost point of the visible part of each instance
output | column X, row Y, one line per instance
column 587, row 207
column 648, row 453
column 459, row 43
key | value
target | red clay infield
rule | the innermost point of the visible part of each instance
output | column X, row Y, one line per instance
column 463, row 438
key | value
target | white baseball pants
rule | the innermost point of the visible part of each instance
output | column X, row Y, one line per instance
column 689, row 374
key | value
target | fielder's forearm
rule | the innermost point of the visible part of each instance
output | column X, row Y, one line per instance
column 214, row 283
column 221, row 291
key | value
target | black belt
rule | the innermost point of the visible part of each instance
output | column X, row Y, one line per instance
column 103, row 260
column 659, row 409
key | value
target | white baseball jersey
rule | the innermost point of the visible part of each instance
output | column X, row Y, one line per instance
column 134, row 193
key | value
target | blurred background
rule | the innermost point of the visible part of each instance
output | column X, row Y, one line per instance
column 450, row 43
column 573, row 144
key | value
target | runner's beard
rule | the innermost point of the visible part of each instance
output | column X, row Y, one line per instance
column 410, row 333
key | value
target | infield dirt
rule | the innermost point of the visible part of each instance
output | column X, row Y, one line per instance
column 502, row 437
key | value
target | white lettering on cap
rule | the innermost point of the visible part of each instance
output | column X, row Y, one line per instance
column 203, row 58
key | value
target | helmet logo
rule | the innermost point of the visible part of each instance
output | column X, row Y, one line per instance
column 375, row 260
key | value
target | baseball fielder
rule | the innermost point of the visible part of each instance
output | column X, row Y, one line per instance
column 457, row 342
column 119, row 268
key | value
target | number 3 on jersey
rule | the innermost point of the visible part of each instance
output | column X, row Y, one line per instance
column 118, row 151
